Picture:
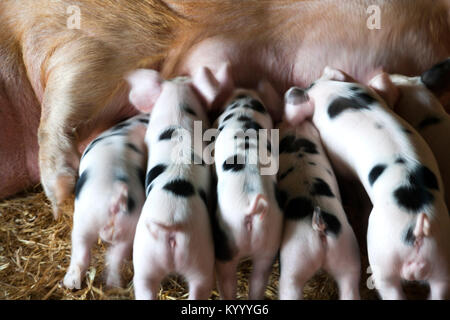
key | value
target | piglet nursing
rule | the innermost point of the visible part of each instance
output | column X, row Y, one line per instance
column 409, row 226
column 249, row 219
column 173, row 234
column 316, row 233
column 419, row 100
column 109, row 196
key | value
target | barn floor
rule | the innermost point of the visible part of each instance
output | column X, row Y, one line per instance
column 35, row 252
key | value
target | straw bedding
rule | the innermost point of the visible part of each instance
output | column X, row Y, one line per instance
column 35, row 252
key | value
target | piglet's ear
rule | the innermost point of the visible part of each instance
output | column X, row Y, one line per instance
column 330, row 73
column 271, row 99
column 383, row 85
column 298, row 106
column 210, row 85
column 146, row 86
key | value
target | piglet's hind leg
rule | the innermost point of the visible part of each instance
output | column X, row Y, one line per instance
column 82, row 243
column 148, row 270
column 117, row 254
column 146, row 288
column 200, row 287
column 227, row 279
column 389, row 287
column 259, row 277
column 348, row 284
column 343, row 263
column 439, row 290
column 298, row 264
column 293, row 279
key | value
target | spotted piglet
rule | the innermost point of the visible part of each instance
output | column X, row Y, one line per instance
column 248, row 216
column 419, row 100
column 109, row 196
column 316, row 231
column 174, row 232
column 409, row 226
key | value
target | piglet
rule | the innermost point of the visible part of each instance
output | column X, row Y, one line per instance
column 249, row 219
column 419, row 101
column 173, row 234
column 109, row 196
column 316, row 230
column 409, row 226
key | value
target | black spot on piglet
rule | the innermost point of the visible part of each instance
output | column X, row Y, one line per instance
column 228, row 117
column 180, row 187
column 416, row 195
column 243, row 118
column 153, row 173
column 148, row 189
column 144, row 121
column 413, row 198
column 285, row 174
column 252, row 125
column 80, row 183
column 286, row 144
column 234, row 163
column 223, row 248
column 364, row 98
column 331, row 222
column 133, row 147
column 280, row 195
column 423, row 176
column 290, row 145
column 341, row 104
column 409, row 237
column 188, row 109
column 167, row 134
column 321, row 188
column 121, row 126
column 233, row 105
column 256, row 105
column 376, row 172
column 298, row 208
column 91, row 145
column 306, row 146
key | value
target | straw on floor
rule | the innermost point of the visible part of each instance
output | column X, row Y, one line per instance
column 35, row 252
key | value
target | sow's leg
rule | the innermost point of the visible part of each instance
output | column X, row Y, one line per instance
column 84, row 73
